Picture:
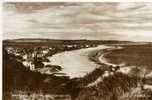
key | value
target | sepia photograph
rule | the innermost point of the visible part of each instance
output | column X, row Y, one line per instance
column 77, row 50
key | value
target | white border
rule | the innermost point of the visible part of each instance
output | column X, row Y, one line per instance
column 76, row 1
column 1, row 66
column 1, row 37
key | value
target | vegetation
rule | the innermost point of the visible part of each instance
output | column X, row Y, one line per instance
column 111, row 88
column 132, row 55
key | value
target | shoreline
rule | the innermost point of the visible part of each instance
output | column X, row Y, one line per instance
column 77, row 63
column 98, row 56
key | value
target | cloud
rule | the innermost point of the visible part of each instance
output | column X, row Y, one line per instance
column 109, row 21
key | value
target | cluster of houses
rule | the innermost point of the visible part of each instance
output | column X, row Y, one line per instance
column 28, row 55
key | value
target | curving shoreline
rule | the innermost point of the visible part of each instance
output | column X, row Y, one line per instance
column 98, row 56
column 76, row 63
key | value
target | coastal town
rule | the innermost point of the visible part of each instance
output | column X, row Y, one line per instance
column 35, row 58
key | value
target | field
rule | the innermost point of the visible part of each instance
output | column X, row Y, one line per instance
column 132, row 55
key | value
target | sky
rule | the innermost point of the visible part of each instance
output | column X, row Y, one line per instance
column 92, row 21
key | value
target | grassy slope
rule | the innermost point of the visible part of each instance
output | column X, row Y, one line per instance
column 132, row 55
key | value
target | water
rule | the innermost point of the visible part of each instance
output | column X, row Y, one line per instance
column 76, row 63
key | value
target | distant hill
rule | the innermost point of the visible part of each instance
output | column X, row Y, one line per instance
column 26, row 41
